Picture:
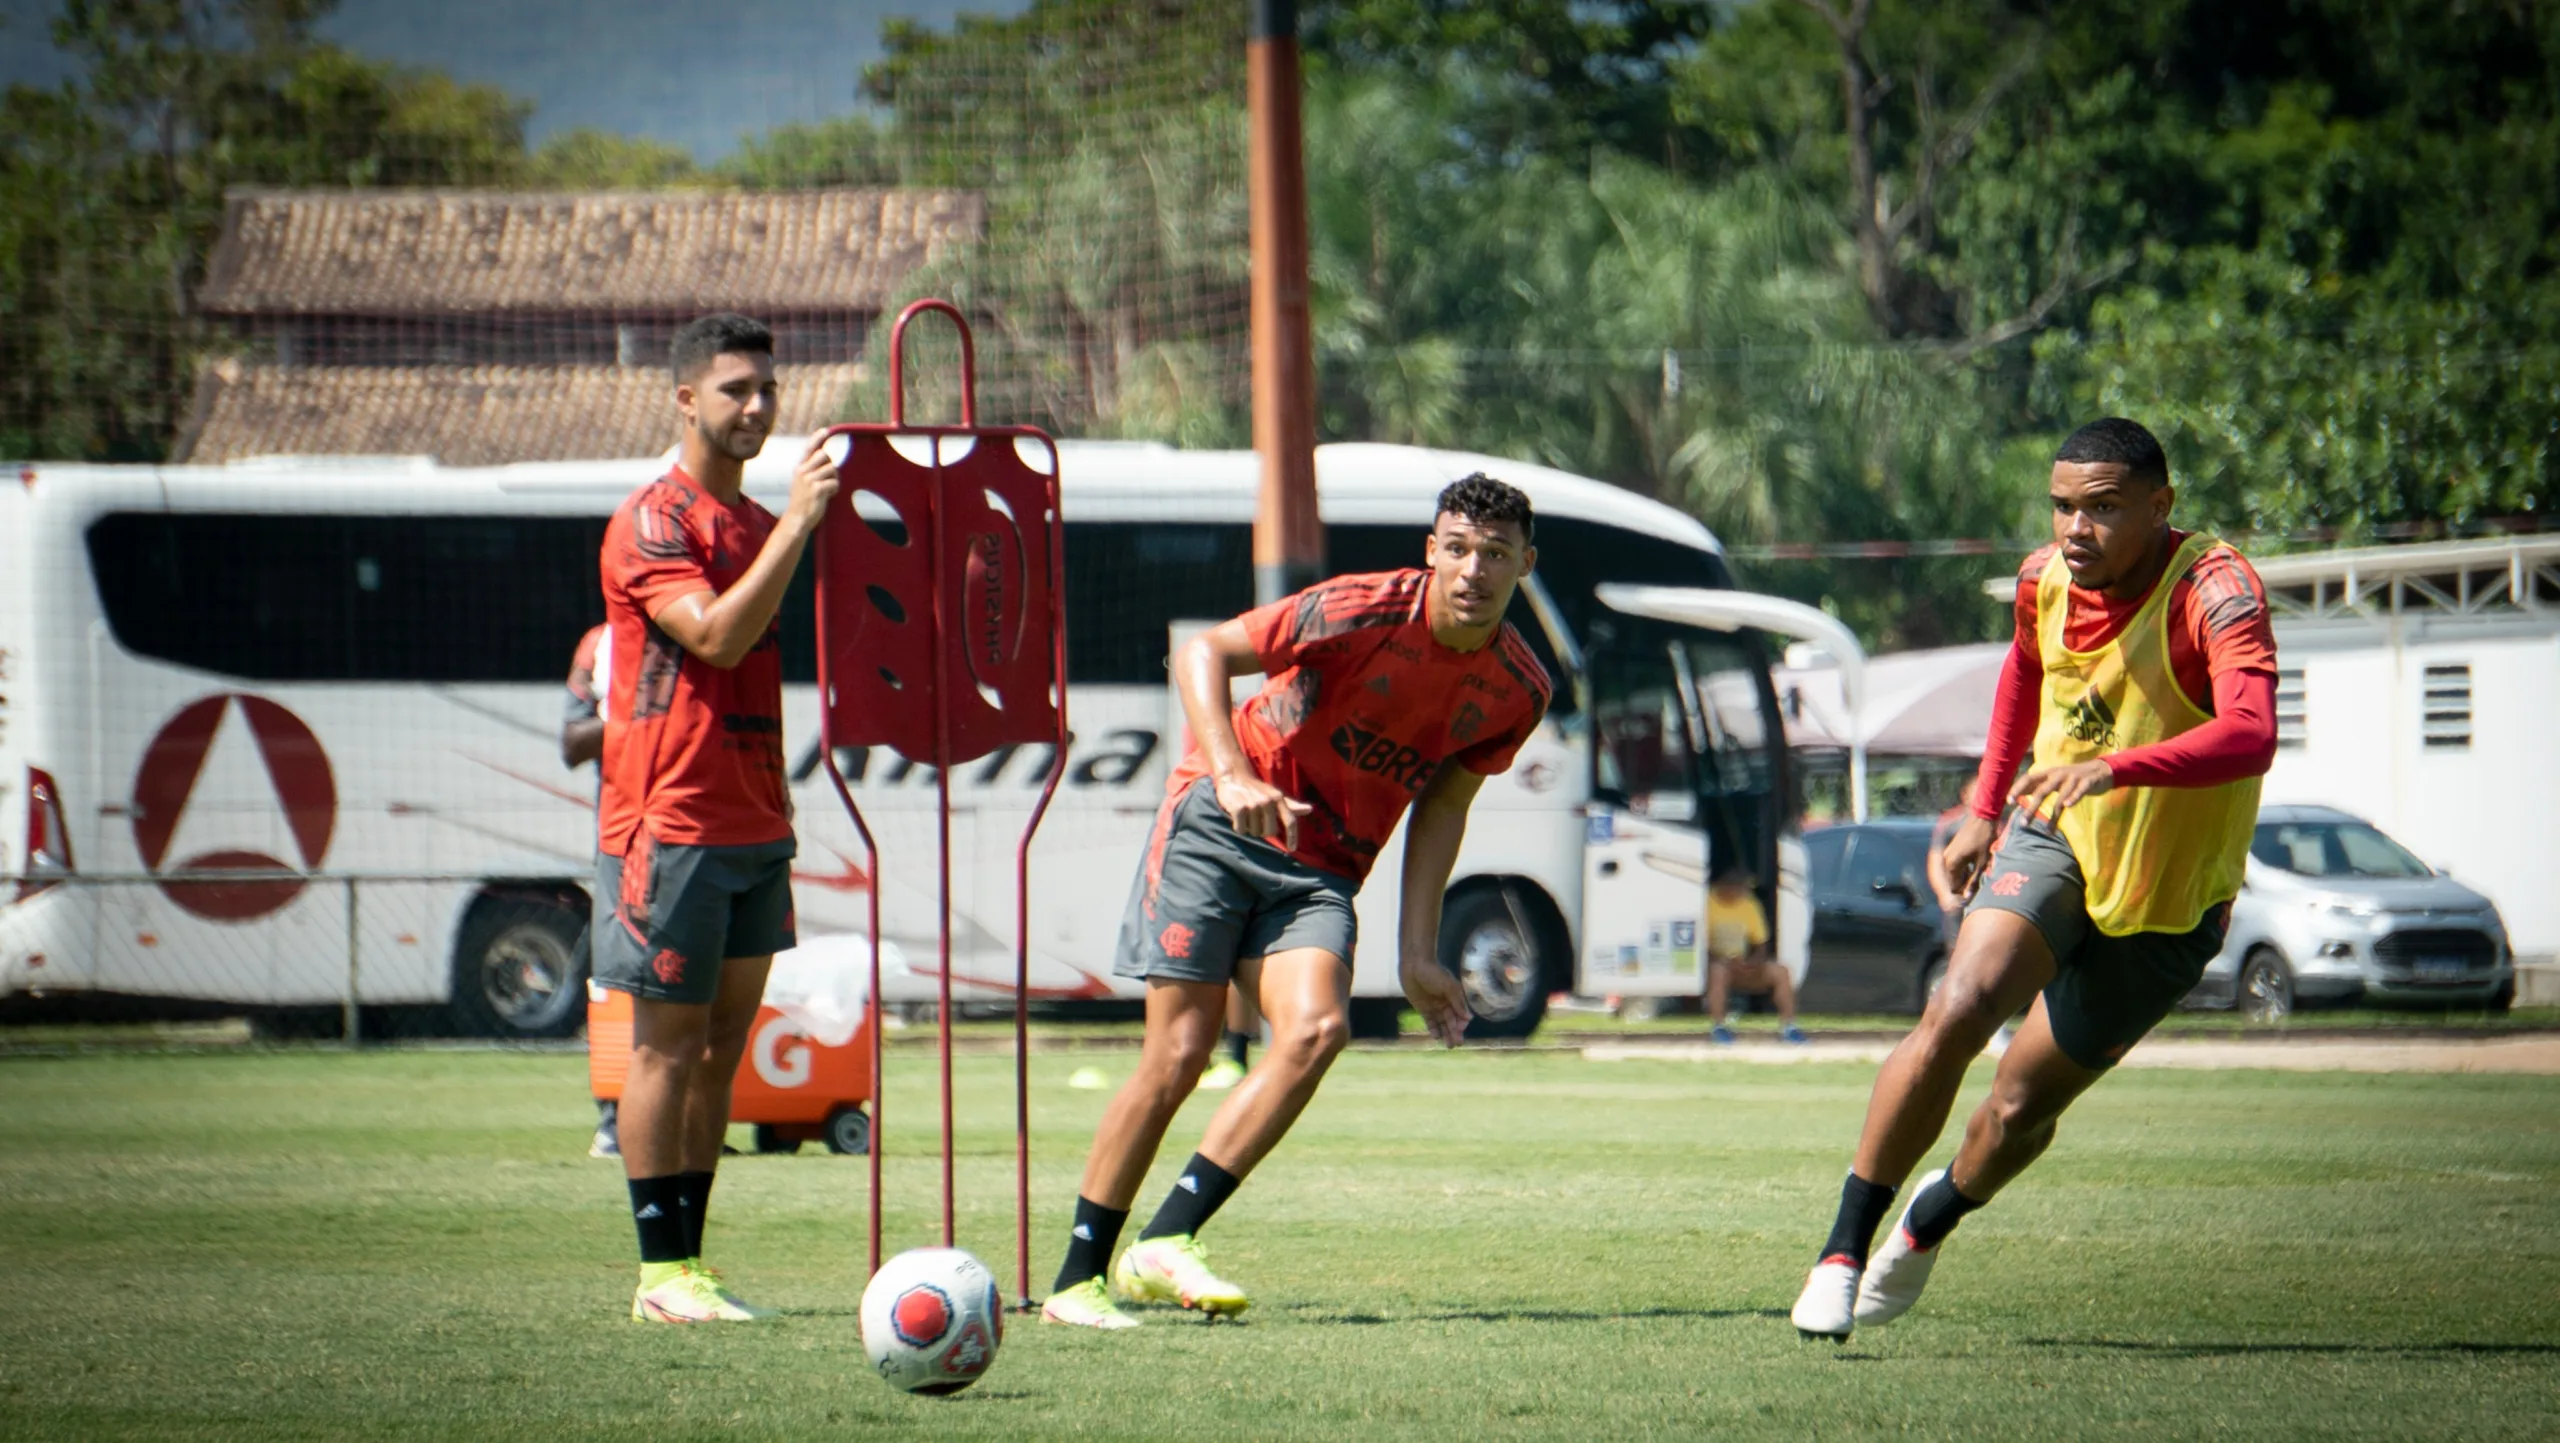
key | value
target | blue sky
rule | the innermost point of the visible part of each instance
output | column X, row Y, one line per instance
column 696, row 75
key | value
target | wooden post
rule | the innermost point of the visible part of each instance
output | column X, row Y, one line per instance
column 1288, row 536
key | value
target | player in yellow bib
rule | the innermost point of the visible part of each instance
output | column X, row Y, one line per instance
column 2143, row 674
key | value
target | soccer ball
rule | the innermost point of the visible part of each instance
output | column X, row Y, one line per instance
column 931, row 1320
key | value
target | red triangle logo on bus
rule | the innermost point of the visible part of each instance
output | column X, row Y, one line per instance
column 306, row 792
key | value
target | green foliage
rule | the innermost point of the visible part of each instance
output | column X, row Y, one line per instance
column 850, row 150
column 584, row 159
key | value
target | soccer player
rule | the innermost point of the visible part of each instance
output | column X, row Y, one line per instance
column 581, row 742
column 2143, row 677
column 1403, row 688
column 693, row 884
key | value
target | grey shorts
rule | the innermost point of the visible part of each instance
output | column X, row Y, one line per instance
column 667, row 915
column 2107, row 992
column 1206, row 895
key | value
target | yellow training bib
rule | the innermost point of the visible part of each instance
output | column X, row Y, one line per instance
column 2155, row 858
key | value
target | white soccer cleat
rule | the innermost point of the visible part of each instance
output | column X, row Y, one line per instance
column 1899, row 1269
column 1827, row 1306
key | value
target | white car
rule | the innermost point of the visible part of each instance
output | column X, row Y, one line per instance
column 2334, row 909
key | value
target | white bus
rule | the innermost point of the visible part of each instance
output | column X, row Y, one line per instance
column 283, row 734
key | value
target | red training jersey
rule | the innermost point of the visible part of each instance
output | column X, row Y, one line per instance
column 1361, row 706
column 691, row 752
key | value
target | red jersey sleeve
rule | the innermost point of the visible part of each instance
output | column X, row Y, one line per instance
column 1273, row 630
column 2013, row 707
column 2221, row 608
column 658, row 557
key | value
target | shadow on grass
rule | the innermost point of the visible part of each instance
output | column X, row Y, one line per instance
column 1531, row 1315
column 2230, row 1350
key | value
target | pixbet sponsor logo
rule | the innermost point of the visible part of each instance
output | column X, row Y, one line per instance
column 300, row 786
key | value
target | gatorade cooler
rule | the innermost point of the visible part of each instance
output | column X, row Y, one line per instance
column 793, row 1088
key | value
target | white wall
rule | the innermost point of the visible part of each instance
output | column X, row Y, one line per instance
column 2489, row 813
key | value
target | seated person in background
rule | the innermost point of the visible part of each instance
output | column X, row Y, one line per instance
column 1738, row 955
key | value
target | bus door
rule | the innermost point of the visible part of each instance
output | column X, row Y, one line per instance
column 1686, row 776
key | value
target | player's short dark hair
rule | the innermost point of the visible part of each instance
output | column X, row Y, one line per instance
column 2125, row 443
column 717, row 334
column 1733, row 873
column 1481, row 499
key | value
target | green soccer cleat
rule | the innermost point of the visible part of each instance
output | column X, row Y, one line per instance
column 1222, row 1074
column 1175, row 1269
column 727, row 1294
column 1086, row 1305
column 681, row 1296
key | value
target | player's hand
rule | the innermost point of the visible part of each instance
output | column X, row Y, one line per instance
column 1439, row 996
column 1968, row 852
column 814, row 483
column 1258, row 809
column 2061, row 786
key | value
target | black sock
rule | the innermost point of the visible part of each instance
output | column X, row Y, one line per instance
column 1937, row 1210
column 1863, row 1205
column 1196, row 1197
column 1089, row 1245
column 1237, row 1042
column 657, row 1210
column 696, row 1201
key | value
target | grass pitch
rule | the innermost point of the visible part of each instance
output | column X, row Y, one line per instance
column 411, row 1244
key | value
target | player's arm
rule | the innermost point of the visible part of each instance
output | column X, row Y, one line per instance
column 2012, row 735
column 1202, row 670
column 721, row 627
column 581, row 742
column 1432, row 833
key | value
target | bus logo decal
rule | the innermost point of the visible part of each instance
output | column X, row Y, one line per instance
column 305, row 790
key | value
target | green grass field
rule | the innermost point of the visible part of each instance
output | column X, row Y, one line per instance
column 316, row 1245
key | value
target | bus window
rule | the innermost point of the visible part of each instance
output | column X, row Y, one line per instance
column 1127, row 582
column 351, row 597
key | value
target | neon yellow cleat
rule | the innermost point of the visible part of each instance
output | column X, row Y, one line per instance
column 675, row 1293
column 1086, row 1305
column 1222, row 1074
column 1175, row 1269
column 727, row 1294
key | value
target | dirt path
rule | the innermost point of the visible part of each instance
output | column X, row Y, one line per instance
column 2537, row 1055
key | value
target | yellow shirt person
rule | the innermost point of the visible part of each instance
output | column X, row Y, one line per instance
column 1738, row 957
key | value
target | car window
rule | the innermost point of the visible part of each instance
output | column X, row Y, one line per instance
column 1877, row 859
column 1823, row 850
column 2333, row 849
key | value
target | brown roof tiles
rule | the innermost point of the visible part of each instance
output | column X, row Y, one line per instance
column 443, row 252
column 463, row 415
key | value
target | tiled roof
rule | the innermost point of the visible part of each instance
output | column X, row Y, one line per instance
column 443, row 252
column 463, row 415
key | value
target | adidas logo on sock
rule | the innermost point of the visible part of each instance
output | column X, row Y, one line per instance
column 646, row 1213
column 1188, row 1183
column 1084, row 1232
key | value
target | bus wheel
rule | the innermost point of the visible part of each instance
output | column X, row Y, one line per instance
column 518, row 970
column 1496, row 951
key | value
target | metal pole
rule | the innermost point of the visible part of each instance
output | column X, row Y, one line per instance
column 351, row 1029
column 1288, row 535
column 942, row 811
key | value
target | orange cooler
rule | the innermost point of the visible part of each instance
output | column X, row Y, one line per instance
column 791, row 1087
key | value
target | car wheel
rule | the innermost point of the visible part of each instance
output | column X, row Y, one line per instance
column 2504, row 999
column 519, row 969
column 1495, row 952
column 1932, row 977
column 2266, row 987
column 849, row 1131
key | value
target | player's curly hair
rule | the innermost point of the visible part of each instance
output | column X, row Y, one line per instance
column 1481, row 499
column 2114, row 439
column 717, row 334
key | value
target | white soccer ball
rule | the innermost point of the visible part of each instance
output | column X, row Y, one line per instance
column 931, row 1320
